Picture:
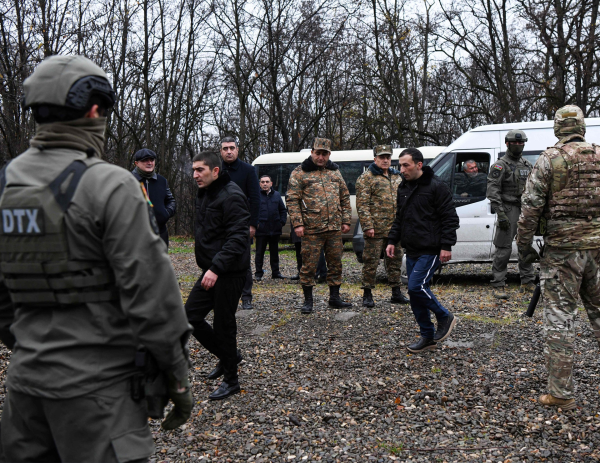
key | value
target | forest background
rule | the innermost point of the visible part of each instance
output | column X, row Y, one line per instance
column 276, row 73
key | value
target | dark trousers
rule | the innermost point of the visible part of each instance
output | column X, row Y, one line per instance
column 220, row 338
column 261, row 246
column 165, row 237
column 420, row 271
column 321, row 266
column 247, row 290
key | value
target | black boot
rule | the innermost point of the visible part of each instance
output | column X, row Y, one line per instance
column 368, row 298
column 335, row 300
column 307, row 307
column 398, row 297
column 218, row 371
column 230, row 384
column 422, row 345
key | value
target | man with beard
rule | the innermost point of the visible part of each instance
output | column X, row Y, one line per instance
column 470, row 182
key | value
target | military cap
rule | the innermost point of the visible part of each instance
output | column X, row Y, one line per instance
column 144, row 153
column 322, row 144
column 67, row 81
column 568, row 120
column 382, row 149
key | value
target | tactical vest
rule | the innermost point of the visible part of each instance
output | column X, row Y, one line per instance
column 580, row 197
column 34, row 254
column 514, row 185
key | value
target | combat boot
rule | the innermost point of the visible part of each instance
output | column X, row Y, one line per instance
column 307, row 307
column 528, row 287
column 368, row 298
column 219, row 370
column 550, row 401
column 499, row 292
column 335, row 300
column 398, row 297
column 230, row 384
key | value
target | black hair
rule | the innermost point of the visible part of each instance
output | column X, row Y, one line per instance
column 414, row 153
column 229, row 140
column 211, row 158
column 266, row 175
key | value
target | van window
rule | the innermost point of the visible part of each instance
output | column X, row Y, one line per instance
column 351, row 170
column 466, row 187
column 279, row 173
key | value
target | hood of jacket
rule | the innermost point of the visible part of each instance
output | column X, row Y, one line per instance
column 378, row 171
column 309, row 166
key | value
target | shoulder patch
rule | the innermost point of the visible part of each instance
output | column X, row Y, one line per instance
column 496, row 174
column 498, row 167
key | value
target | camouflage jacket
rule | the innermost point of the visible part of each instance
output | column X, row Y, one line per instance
column 549, row 178
column 318, row 198
column 506, row 181
column 376, row 199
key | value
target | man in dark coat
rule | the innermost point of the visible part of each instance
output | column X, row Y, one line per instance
column 425, row 224
column 271, row 218
column 223, row 253
column 156, row 185
column 244, row 176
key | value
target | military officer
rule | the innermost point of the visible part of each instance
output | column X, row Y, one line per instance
column 376, row 191
column 506, row 182
column 320, row 211
column 564, row 191
column 85, row 280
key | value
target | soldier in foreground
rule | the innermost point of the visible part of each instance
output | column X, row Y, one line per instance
column 564, row 190
column 376, row 191
column 85, row 280
column 506, row 182
column 320, row 211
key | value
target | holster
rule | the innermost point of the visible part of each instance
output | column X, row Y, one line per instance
column 149, row 383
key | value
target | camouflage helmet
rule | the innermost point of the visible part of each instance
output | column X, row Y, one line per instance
column 515, row 135
column 322, row 144
column 67, row 81
column 569, row 120
column 382, row 149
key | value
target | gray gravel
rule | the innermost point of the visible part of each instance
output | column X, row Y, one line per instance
column 340, row 386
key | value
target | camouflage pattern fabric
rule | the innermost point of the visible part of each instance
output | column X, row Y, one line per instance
column 383, row 149
column 318, row 200
column 376, row 199
column 322, row 144
column 565, row 273
column 312, row 244
column 371, row 254
column 569, row 120
column 506, row 181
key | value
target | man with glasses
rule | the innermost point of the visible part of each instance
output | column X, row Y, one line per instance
column 376, row 191
column 320, row 211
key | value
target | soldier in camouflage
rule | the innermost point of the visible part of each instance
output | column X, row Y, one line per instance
column 564, row 191
column 506, row 182
column 320, row 211
column 376, row 191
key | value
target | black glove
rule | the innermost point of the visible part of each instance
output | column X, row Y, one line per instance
column 503, row 222
column 183, row 402
column 528, row 254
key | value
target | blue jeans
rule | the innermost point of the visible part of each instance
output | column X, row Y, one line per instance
column 420, row 271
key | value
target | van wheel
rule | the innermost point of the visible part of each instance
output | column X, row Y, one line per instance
column 359, row 257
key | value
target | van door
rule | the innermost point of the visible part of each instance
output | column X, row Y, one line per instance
column 474, row 237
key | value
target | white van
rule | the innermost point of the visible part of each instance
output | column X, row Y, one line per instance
column 353, row 163
column 485, row 145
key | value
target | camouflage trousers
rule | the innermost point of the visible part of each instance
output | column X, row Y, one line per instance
column 564, row 274
column 393, row 267
column 331, row 242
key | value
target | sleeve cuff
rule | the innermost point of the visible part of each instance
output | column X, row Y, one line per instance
column 215, row 270
column 446, row 247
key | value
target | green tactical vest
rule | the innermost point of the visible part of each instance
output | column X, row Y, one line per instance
column 576, row 182
column 34, row 254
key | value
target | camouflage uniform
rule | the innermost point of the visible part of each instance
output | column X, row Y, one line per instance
column 506, row 182
column 376, row 206
column 318, row 200
column 564, row 189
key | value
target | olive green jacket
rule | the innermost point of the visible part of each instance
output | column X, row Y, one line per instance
column 71, row 351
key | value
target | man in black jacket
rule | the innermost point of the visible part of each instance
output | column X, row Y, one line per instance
column 271, row 218
column 223, row 253
column 244, row 175
column 162, row 199
column 426, row 224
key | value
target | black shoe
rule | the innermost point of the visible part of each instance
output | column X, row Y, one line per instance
column 278, row 276
column 247, row 305
column 368, row 298
column 398, row 297
column 335, row 300
column 258, row 278
column 422, row 345
column 445, row 328
column 307, row 307
column 295, row 277
column 226, row 389
column 219, row 370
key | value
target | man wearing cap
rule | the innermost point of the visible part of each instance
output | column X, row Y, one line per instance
column 157, row 187
column 505, row 185
column 320, row 211
column 376, row 191
column 85, row 281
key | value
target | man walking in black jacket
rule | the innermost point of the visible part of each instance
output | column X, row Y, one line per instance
column 223, row 253
column 244, row 175
column 425, row 224
column 163, row 201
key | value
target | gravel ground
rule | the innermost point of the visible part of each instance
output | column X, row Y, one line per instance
column 340, row 386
